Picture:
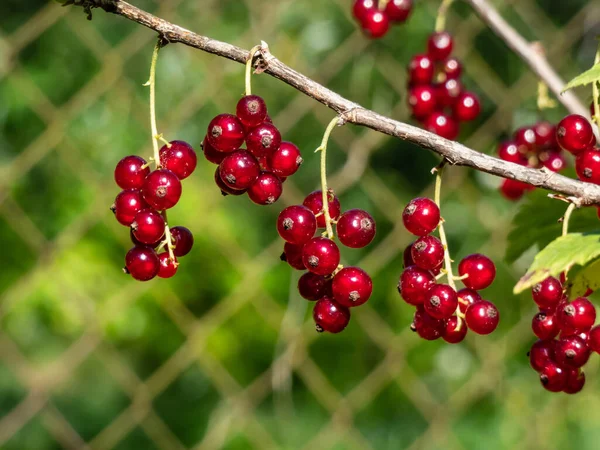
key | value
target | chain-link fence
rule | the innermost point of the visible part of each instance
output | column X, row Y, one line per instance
column 223, row 355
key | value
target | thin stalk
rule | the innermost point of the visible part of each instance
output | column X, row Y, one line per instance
column 324, row 189
column 249, row 69
column 567, row 216
column 440, row 21
column 152, row 83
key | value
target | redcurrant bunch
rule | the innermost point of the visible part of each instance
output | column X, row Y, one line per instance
column 376, row 16
column 566, row 334
column 335, row 288
column 142, row 205
column 534, row 146
column 436, row 96
column 441, row 310
column 258, row 170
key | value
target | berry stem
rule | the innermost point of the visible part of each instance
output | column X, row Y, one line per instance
column 543, row 97
column 381, row 4
column 168, row 241
column 596, row 93
column 440, row 21
column 249, row 68
column 152, row 83
column 438, row 191
column 567, row 216
column 324, row 190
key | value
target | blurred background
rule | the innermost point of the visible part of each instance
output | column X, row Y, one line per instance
column 224, row 355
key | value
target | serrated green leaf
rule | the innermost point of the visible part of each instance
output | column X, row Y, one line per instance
column 587, row 77
column 559, row 255
column 536, row 223
column 588, row 277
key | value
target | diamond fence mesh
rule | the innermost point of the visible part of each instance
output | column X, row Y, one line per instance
column 223, row 355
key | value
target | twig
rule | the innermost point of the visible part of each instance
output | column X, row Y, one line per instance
column 453, row 152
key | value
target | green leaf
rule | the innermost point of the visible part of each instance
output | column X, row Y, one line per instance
column 587, row 77
column 588, row 277
column 559, row 255
column 536, row 223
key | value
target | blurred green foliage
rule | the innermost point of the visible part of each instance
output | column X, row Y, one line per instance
column 87, row 336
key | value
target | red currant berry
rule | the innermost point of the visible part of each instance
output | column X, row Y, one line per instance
column 448, row 92
column 427, row 327
column 180, row 158
column 131, row 172
column 142, row 263
column 296, row 224
column 467, row 107
column 211, row 154
column 398, row 10
column 292, row 254
column 553, row 161
column 540, row 354
column 141, row 244
column 441, row 301
column 575, row 381
column 421, row 216
column 239, row 170
column 251, row 110
column 427, row 252
column 355, row 228
column 148, row 226
column 321, row 256
column 513, row 189
column 225, row 133
column 266, row 190
column 161, row 189
column 547, row 293
column 226, row 190
column 439, row 45
column 442, row 125
column 545, row 134
column 286, row 160
column 482, row 317
column 314, row 202
column 508, row 151
column 571, row 351
column 455, row 330
column 351, row 287
column 525, row 139
column 594, row 339
column 414, row 285
column 407, row 257
column 375, row 23
column 330, row 316
column 360, row 8
column 479, row 269
column 553, row 377
column 422, row 101
column 263, row 139
column 183, row 240
column 168, row 266
column 127, row 204
column 313, row 287
column 420, row 70
column 574, row 133
column 587, row 165
column 579, row 315
column 452, row 68
column 545, row 326
column 466, row 297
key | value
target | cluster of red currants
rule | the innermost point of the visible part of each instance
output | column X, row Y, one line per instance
column 261, row 168
column 441, row 310
column 436, row 97
column 335, row 288
column 533, row 146
column 575, row 134
column 566, row 337
column 375, row 16
column 142, row 203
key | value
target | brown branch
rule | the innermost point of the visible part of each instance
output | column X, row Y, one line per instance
column 528, row 52
column 455, row 153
